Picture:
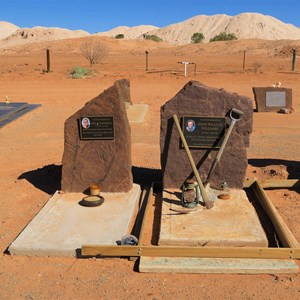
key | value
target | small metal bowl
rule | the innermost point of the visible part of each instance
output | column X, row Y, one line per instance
column 91, row 201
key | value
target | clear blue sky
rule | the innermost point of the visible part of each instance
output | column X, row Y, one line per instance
column 96, row 15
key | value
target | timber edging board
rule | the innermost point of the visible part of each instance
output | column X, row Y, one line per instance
column 291, row 248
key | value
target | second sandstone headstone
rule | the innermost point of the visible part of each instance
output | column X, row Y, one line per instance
column 97, row 147
column 204, row 108
column 272, row 99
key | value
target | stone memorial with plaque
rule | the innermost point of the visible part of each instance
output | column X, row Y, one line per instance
column 97, row 148
column 204, row 113
column 272, row 99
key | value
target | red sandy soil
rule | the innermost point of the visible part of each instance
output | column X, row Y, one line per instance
column 35, row 142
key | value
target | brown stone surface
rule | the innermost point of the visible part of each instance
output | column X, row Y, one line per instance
column 260, row 95
column 105, row 162
column 124, row 88
column 197, row 99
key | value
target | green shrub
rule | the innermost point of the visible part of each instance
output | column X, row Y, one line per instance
column 223, row 36
column 197, row 37
column 79, row 72
column 152, row 37
column 119, row 36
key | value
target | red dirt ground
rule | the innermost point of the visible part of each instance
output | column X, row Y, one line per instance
column 35, row 141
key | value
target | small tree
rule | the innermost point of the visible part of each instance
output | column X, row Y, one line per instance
column 119, row 36
column 223, row 36
column 197, row 37
column 94, row 51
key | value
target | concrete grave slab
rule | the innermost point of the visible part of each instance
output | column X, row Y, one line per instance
column 17, row 110
column 18, row 114
column 136, row 113
column 63, row 226
column 8, row 109
column 231, row 223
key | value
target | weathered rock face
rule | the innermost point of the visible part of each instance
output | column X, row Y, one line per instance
column 196, row 99
column 124, row 88
column 272, row 99
column 103, row 162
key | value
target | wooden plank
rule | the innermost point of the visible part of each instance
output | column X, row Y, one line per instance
column 289, row 183
column 146, row 213
column 141, row 218
column 285, row 235
column 217, row 265
column 172, row 251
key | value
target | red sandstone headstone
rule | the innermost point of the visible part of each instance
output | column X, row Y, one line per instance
column 106, row 162
column 196, row 99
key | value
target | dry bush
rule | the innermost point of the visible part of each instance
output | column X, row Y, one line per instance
column 94, row 51
column 257, row 66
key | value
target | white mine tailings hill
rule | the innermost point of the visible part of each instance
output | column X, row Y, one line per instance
column 244, row 26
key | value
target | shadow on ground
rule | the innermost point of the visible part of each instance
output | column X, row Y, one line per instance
column 47, row 179
column 146, row 176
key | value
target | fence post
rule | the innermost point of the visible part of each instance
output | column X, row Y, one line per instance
column 244, row 60
column 294, row 60
column 48, row 60
column 146, row 52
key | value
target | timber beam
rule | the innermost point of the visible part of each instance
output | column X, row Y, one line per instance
column 175, row 251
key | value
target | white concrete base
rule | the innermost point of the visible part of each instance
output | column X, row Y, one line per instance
column 63, row 226
column 230, row 223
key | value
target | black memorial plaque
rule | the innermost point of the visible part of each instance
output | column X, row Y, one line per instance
column 96, row 128
column 203, row 132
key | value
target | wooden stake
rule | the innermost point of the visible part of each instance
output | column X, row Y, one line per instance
column 146, row 52
column 294, row 60
column 48, row 60
column 244, row 60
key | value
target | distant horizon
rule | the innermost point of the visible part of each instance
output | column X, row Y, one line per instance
column 93, row 16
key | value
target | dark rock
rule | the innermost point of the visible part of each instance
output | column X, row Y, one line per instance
column 196, row 99
column 103, row 162
column 285, row 111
